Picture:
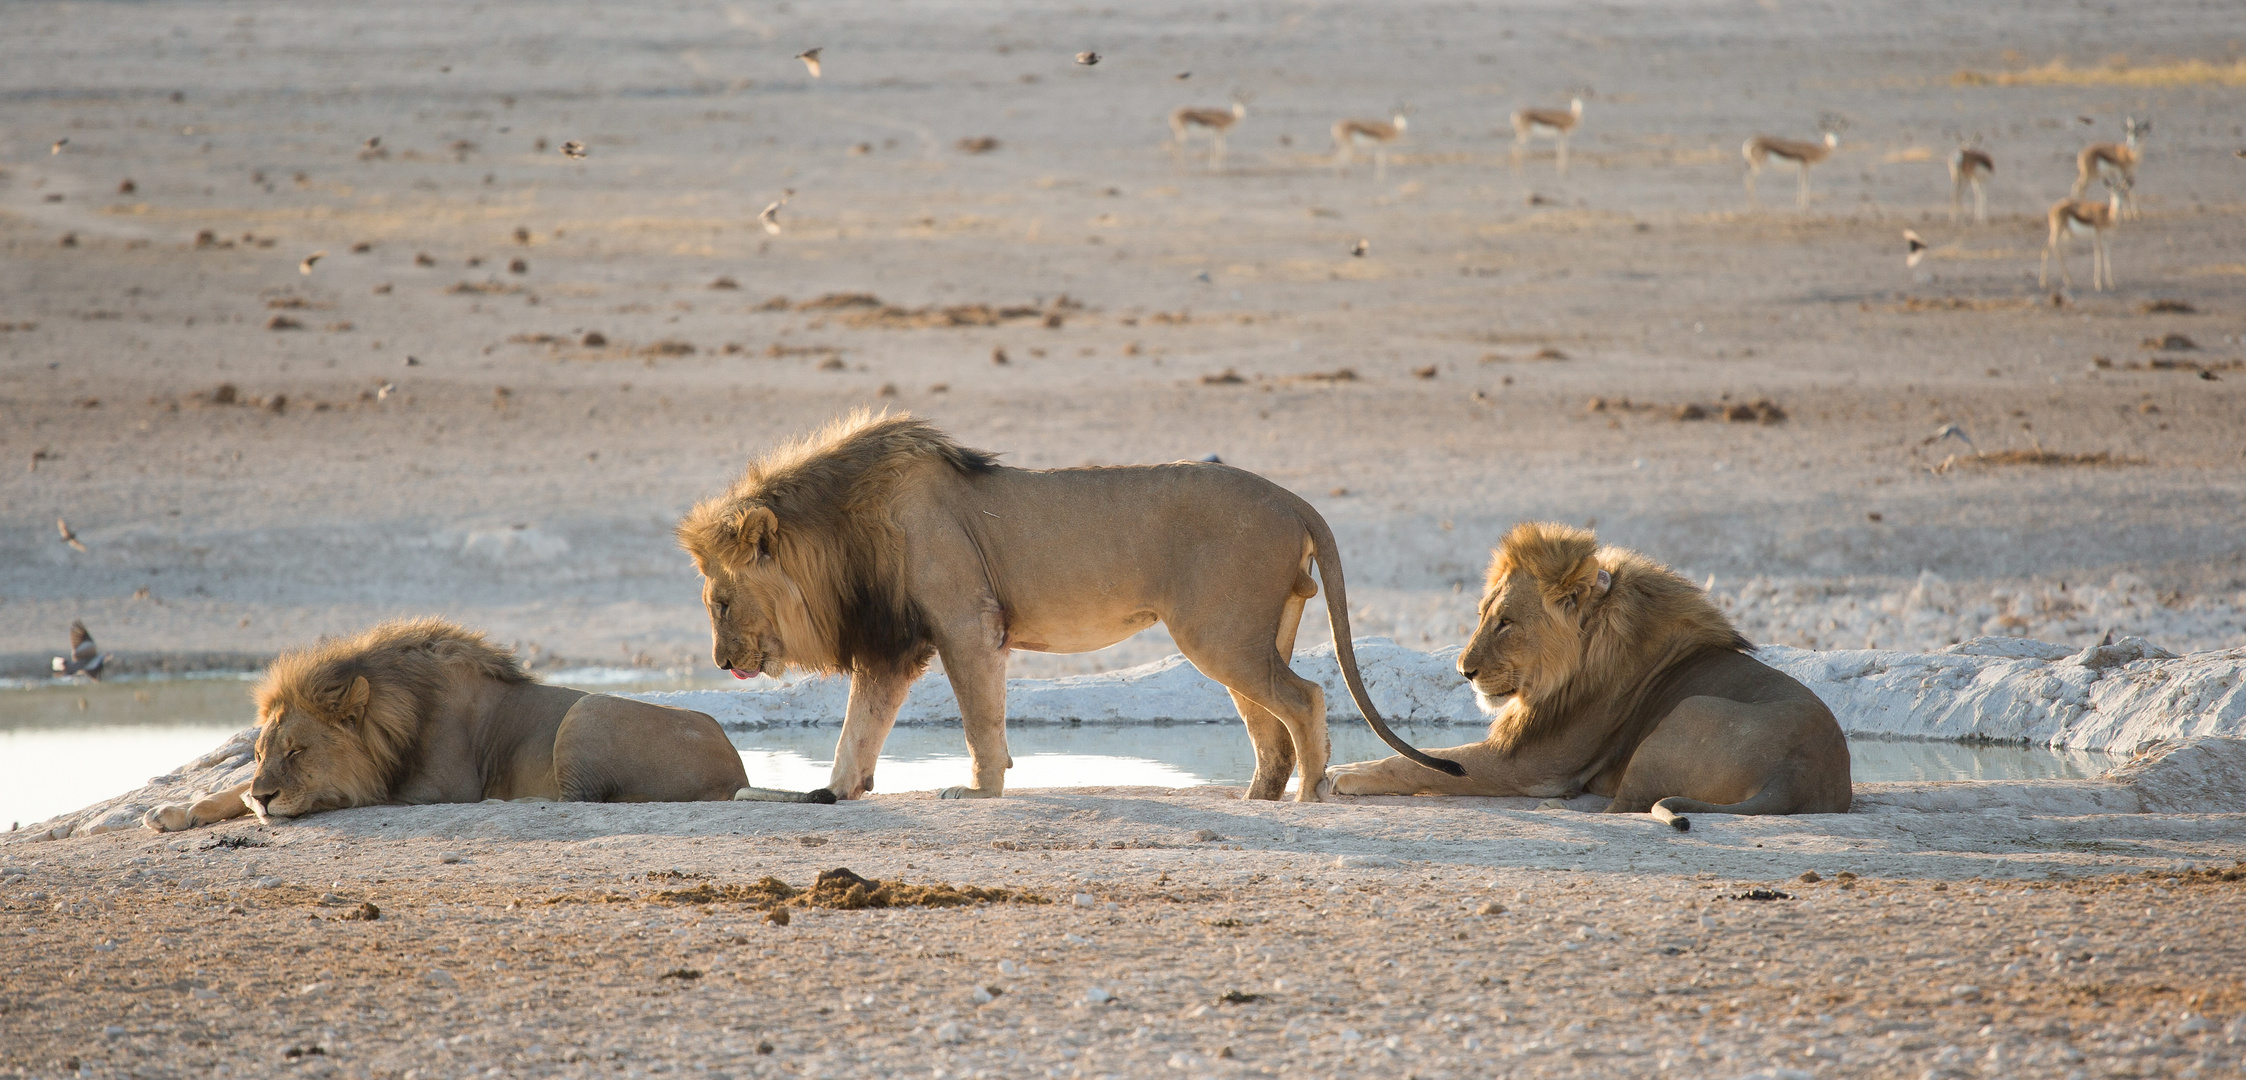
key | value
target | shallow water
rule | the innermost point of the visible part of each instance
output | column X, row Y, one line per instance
column 65, row 746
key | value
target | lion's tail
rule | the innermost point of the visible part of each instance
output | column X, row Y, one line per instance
column 757, row 794
column 1337, row 611
column 1774, row 798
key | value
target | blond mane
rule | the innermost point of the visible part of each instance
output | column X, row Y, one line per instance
column 1648, row 620
column 830, row 493
column 407, row 664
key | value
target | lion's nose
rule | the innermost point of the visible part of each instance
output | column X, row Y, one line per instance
column 1468, row 673
column 262, row 802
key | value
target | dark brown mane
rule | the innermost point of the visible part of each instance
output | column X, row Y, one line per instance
column 407, row 663
column 830, row 492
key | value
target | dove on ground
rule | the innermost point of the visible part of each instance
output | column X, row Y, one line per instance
column 85, row 657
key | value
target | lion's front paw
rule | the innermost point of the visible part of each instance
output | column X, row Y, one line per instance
column 967, row 793
column 170, row 817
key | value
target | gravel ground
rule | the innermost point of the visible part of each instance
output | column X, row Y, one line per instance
column 1184, row 935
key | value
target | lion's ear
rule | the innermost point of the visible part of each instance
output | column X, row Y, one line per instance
column 348, row 704
column 748, row 532
column 1584, row 584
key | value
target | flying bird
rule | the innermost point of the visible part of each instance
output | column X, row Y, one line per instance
column 57, row 147
column 1182, row 76
column 68, row 536
column 810, row 58
column 770, row 218
column 85, row 657
column 1087, row 58
column 1950, row 431
column 573, row 150
column 1918, row 248
column 305, row 267
column 1362, row 246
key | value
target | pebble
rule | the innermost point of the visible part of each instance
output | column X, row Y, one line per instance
column 949, row 1032
column 1097, row 996
column 267, row 883
column 330, row 898
column 1965, row 992
column 1074, row 939
column 1008, row 967
column 311, row 989
column 1365, row 862
column 440, row 977
column 448, row 857
column 1490, row 907
column 113, row 1031
column 1203, row 835
column 203, row 994
column 1083, row 899
column 106, row 946
column 981, row 996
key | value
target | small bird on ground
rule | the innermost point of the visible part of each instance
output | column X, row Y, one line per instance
column 57, row 147
column 85, row 657
column 68, row 536
column 2085, row 120
column 1918, row 248
column 1087, row 58
column 1184, row 75
column 1362, row 246
column 573, row 150
column 810, row 58
column 770, row 218
column 305, row 267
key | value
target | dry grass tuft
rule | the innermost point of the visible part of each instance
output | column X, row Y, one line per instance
column 2115, row 72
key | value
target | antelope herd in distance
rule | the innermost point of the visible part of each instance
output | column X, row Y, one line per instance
column 2112, row 164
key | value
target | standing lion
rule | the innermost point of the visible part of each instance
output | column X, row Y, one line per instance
column 879, row 543
column 1607, row 673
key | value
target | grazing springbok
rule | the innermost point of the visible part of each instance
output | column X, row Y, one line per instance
column 1372, row 134
column 1553, row 124
column 1186, row 122
column 2071, row 218
column 1970, row 168
column 1759, row 150
column 2113, row 163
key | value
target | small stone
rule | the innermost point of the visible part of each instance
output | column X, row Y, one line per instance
column 1810, row 877
column 1074, row 939
column 950, row 1033
column 439, row 977
column 1083, row 899
column 365, row 912
column 981, row 995
column 2194, row 1025
column 268, row 883
column 777, row 916
column 1008, row 967
column 330, row 899
column 1965, row 992
column 1490, row 907
column 203, row 994
column 1205, row 836
column 1351, row 1035
column 1097, row 996
column 113, row 1031
column 106, row 946
column 312, row 989
column 448, row 857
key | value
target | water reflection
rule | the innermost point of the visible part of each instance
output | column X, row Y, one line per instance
column 64, row 746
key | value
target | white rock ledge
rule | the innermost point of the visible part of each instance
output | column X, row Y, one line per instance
column 2184, row 718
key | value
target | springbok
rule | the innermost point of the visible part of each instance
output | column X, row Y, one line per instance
column 1970, row 168
column 1349, row 134
column 1553, row 124
column 2113, row 163
column 2071, row 218
column 1185, row 122
column 1760, row 149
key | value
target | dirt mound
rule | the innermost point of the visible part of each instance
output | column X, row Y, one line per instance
column 842, row 890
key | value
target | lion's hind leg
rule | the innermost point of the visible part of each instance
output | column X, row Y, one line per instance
column 1251, row 662
column 1275, row 748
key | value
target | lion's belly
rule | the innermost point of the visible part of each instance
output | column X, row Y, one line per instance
column 1065, row 635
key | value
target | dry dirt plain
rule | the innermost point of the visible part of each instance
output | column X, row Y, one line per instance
column 519, row 479
column 450, row 442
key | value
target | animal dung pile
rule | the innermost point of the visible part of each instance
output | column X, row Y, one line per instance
column 840, row 889
column 1758, row 411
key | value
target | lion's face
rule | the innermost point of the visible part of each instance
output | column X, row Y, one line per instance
column 1524, row 642
column 756, row 611
column 313, row 756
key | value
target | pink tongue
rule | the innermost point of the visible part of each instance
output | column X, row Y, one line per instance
column 739, row 674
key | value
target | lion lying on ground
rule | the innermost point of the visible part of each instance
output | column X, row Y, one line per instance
column 1608, row 673
column 422, row 711
column 879, row 542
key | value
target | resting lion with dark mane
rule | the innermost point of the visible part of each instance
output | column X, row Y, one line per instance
column 879, row 543
column 422, row 711
column 1607, row 673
